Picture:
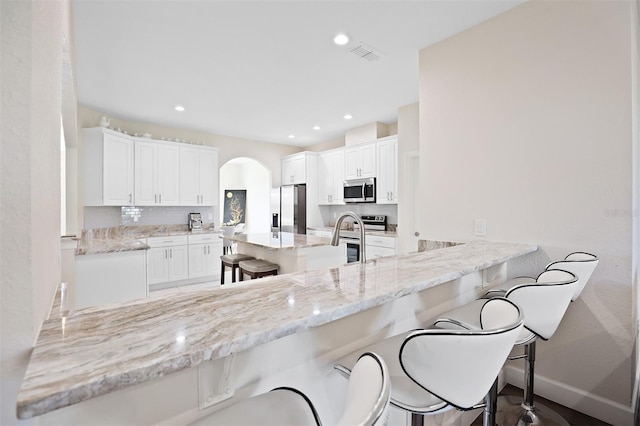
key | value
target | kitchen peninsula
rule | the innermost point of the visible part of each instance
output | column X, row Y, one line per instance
column 269, row 329
column 291, row 252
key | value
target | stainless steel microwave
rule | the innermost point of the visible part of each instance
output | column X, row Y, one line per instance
column 360, row 191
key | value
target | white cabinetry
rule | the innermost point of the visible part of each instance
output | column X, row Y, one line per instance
column 204, row 255
column 109, row 278
column 294, row 169
column 380, row 246
column 331, row 177
column 157, row 173
column 108, row 168
column 360, row 161
column 387, row 171
column 167, row 259
column 198, row 176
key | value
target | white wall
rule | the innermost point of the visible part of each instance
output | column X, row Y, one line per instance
column 408, row 186
column 636, row 201
column 526, row 121
column 31, row 61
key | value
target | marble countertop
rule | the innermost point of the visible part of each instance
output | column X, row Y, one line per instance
column 99, row 350
column 352, row 232
column 280, row 240
column 128, row 238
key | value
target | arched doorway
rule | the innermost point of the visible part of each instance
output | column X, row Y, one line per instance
column 243, row 173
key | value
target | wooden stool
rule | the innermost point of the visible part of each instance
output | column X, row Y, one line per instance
column 232, row 261
column 257, row 268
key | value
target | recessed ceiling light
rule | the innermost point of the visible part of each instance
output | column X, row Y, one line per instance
column 348, row 116
column 316, row 127
column 341, row 39
column 292, row 136
column 179, row 108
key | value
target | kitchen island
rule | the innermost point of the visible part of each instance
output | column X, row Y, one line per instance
column 275, row 331
column 291, row 252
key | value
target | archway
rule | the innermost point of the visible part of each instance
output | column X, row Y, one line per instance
column 250, row 175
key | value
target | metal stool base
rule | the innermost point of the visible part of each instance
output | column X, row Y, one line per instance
column 512, row 411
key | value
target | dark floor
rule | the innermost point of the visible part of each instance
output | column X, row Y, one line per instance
column 571, row 416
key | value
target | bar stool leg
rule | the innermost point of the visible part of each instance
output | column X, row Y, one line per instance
column 222, row 270
column 417, row 419
column 515, row 411
column 491, row 405
column 233, row 274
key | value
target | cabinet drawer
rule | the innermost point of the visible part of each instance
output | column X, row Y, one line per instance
column 167, row 241
column 205, row 238
column 389, row 242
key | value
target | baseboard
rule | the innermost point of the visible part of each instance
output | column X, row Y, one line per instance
column 577, row 399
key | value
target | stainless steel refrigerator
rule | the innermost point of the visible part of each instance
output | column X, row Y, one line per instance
column 293, row 209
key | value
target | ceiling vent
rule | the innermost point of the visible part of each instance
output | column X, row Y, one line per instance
column 366, row 52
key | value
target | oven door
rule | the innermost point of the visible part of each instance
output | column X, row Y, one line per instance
column 353, row 252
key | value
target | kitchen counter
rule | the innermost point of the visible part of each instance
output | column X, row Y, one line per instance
column 344, row 231
column 280, row 240
column 127, row 238
column 97, row 351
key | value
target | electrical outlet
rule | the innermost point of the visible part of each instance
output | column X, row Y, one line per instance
column 481, row 227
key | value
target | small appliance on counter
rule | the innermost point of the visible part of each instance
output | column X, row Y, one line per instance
column 195, row 222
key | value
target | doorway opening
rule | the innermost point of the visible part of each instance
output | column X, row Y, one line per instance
column 243, row 173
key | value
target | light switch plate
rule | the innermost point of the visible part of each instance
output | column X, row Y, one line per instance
column 481, row 227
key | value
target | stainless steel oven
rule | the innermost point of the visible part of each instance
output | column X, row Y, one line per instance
column 352, row 238
column 360, row 190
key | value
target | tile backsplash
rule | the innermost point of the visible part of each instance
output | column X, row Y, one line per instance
column 105, row 217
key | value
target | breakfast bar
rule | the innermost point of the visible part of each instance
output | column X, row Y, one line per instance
column 290, row 251
column 268, row 325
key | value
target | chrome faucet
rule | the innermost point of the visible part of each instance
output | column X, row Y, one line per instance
column 335, row 238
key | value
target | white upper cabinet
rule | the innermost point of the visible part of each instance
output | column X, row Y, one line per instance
column 360, row 161
column 108, row 168
column 294, row 169
column 198, row 176
column 331, row 177
column 387, row 179
column 157, row 173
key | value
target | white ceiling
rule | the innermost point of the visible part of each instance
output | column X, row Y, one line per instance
column 260, row 69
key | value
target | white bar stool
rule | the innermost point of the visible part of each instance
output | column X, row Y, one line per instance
column 434, row 370
column 512, row 410
column 543, row 301
column 366, row 403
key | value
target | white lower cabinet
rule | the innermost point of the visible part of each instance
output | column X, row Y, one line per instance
column 204, row 255
column 379, row 246
column 183, row 259
column 167, row 259
column 109, row 278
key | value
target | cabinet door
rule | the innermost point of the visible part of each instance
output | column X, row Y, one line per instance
column 178, row 263
column 387, row 182
column 189, row 176
column 117, row 182
column 325, row 179
column 212, row 261
column 352, row 163
column 208, row 178
column 299, row 169
column 337, row 193
column 146, row 193
column 288, row 171
column 157, row 265
column 368, row 165
column 168, row 174
column 197, row 260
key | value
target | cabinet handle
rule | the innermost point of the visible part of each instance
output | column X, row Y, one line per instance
column 160, row 198
column 166, row 253
column 155, row 198
column 130, row 198
column 205, row 249
column 170, row 253
column 208, row 249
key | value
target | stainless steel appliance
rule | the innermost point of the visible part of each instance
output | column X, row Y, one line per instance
column 293, row 209
column 352, row 238
column 195, row 222
column 360, row 190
